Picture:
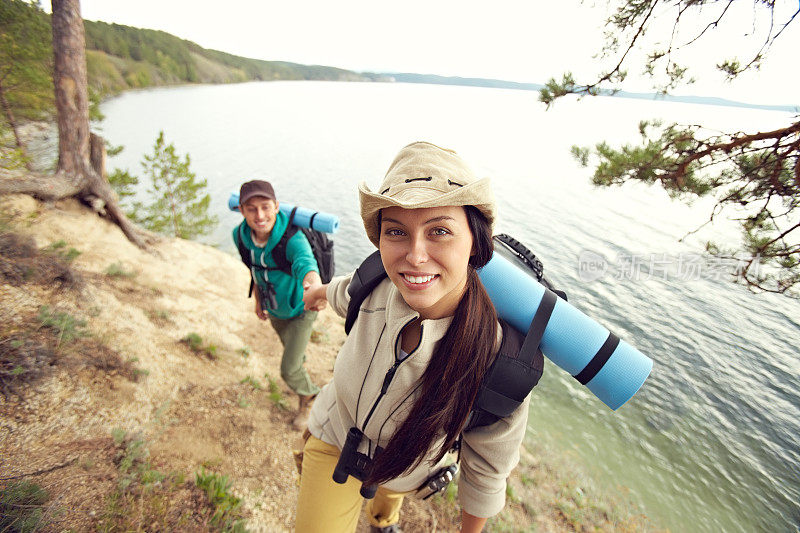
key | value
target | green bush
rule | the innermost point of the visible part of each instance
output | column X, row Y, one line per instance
column 253, row 382
column 211, row 351
column 60, row 249
column 226, row 505
column 193, row 341
column 117, row 270
column 275, row 394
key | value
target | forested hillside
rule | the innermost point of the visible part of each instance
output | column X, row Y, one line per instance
column 119, row 58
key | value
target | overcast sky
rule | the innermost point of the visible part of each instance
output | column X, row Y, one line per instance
column 519, row 40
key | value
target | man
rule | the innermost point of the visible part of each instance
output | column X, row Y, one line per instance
column 279, row 295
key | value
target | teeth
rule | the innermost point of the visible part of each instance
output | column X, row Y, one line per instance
column 418, row 279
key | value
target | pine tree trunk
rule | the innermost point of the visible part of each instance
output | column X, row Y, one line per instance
column 71, row 92
column 75, row 175
column 97, row 155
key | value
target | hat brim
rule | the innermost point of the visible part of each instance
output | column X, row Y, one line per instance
column 243, row 200
column 478, row 194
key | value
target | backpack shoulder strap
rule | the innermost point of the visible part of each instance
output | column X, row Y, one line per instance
column 244, row 253
column 515, row 371
column 279, row 252
column 366, row 277
column 498, row 394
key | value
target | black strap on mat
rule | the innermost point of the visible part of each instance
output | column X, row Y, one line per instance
column 599, row 360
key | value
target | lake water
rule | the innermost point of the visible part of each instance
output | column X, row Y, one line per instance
column 711, row 442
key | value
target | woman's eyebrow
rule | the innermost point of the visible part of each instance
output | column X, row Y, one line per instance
column 439, row 219
column 434, row 219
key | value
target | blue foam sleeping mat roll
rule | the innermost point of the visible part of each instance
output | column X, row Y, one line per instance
column 611, row 368
column 305, row 218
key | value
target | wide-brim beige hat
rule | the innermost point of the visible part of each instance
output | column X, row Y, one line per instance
column 425, row 175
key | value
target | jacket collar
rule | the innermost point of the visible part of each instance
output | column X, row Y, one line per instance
column 398, row 314
column 281, row 221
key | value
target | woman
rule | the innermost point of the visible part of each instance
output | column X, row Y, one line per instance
column 413, row 362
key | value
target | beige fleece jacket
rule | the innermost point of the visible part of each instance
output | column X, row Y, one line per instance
column 488, row 454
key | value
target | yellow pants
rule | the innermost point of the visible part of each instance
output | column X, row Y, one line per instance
column 327, row 507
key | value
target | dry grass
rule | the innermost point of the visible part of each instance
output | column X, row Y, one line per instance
column 34, row 344
column 146, row 499
column 102, row 485
column 21, row 262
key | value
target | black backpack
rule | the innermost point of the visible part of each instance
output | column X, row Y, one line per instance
column 321, row 246
column 519, row 362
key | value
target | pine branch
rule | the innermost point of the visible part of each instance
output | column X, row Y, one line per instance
column 735, row 143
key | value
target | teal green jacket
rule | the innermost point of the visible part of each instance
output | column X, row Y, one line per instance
column 288, row 288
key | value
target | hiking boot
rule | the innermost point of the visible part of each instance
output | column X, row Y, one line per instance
column 300, row 421
column 394, row 528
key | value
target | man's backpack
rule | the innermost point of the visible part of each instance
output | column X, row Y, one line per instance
column 321, row 246
column 519, row 362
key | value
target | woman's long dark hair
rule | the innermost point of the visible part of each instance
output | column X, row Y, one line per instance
column 451, row 381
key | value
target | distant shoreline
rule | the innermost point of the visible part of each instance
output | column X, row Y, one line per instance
column 433, row 79
column 121, row 58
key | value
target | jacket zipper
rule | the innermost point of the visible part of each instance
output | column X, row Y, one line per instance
column 387, row 379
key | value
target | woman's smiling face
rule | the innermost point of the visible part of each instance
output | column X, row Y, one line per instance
column 425, row 253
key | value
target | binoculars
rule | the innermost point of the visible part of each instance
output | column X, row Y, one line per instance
column 353, row 463
column 267, row 297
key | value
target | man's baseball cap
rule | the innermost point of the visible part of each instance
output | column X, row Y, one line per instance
column 255, row 188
